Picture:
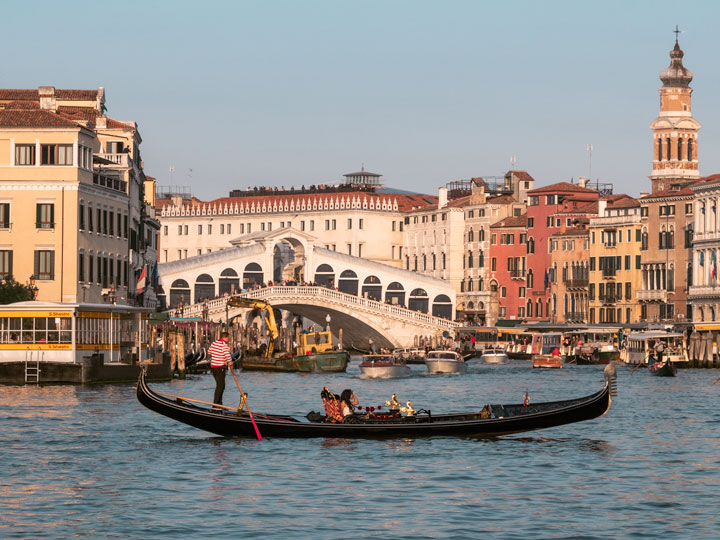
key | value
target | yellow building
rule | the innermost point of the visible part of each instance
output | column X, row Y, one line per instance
column 615, row 270
column 73, row 214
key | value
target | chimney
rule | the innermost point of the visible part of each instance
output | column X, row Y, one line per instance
column 582, row 182
column 47, row 98
column 602, row 205
column 442, row 197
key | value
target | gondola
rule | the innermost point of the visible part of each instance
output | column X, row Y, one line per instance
column 493, row 420
column 662, row 369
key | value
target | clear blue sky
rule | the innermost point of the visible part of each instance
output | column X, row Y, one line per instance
column 270, row 92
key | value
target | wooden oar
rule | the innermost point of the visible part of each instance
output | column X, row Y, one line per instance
column 716, row 380
column 636, row 367
column 244, row 401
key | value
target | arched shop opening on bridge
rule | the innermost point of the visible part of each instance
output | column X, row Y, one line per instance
column 179, row 293
column 229, row 282
column 395, row 294
column 325, row 276
column 348, row 282
column 253, row 275
column 372, row 289
column 204, row 288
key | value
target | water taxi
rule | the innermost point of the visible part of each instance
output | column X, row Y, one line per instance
column 641, row 348
column 383, row 366
column 439, row 362
column 48, row 342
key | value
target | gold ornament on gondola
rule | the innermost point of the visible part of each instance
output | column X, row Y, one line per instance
column 393, row 403
column 409, row 409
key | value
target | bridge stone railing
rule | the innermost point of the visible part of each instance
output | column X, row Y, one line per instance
column 218, row 304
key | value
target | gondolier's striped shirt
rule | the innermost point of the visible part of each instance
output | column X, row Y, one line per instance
column 219, row 354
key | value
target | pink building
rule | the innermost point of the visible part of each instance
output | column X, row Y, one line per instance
column 550, row 209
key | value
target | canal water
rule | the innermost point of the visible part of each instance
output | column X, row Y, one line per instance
column 91, row 462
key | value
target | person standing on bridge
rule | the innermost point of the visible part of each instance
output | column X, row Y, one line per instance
column 220, row 360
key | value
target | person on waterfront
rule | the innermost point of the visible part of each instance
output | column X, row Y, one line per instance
column 348, row 402
column 220, row 360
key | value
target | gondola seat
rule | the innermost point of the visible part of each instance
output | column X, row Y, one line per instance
column 333, row 411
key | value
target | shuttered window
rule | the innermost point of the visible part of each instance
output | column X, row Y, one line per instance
column 45, row 265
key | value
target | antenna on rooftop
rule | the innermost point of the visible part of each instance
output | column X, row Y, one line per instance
column 589, row 149
column 513, row 161
column 172, row 170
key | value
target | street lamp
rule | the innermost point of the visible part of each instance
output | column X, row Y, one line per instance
column 327, row 320
column 33, row 287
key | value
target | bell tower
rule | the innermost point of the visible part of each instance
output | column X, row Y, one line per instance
column 675, row 130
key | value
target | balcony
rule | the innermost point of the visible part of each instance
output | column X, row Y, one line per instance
column 517, row 274
column 652, row 295
column 122, row 160
column 575, row 283
column 705, row 291
column 608, row 298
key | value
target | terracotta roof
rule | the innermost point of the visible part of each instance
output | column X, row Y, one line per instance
column 404, row 202
column 501, row 199
column 512, row 221
column 61, row 94
column 624, row 203
column 521, row 175
column 685, row 190
column 563, row 187
column 22, row 104
column 34, row 118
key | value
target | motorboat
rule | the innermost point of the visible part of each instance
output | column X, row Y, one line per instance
column 547, row 361
column 383, row 366
column 494, row 356
column 439, row 362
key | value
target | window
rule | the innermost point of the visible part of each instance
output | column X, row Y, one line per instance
column 5, row 216
column 45, row 215
column 312, row 226
column 534, row 200
column 643, row 211
column 199, row 229
column 349, row 249
column 327, row 224
column 302, row 226
column 45, row 264
column 349, row 223
column 334, row 225
column 6, row 260
column 493, row 264
column 210, row 229
column 531, row 222
column 637, row 262
column 688, row 208
column 180, row 229
column 222, row 228
column 111, row 222
column 521, row 292
column 56, row 154
column 360, row 224
column 24, row 154
column 628, row 291
column 503, row 292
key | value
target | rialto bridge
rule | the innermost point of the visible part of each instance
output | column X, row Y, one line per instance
column 364, row 298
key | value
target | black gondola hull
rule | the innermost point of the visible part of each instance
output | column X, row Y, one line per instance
column 516, row 419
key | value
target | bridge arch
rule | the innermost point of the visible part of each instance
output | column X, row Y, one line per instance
column 418, row 300
column 179, row 293
column 395, row 294
column 289, row 255
column 229, row 282
column 372, row 288
column 348, row 282
column 442, row 307
column 253, row 274
column 325, row 276
column 204, row 287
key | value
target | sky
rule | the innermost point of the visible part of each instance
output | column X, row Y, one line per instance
column 264, row 93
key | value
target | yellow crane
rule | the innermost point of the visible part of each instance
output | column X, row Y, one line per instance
column 238, row 301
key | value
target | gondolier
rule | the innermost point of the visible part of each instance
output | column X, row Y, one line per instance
column 220, row 360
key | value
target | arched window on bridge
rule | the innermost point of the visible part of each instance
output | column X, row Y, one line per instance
column 325, row 276
column 204, row 287
column 229, row 282
column 418, row 301
column 372, row 288
column 395, row 294
column 253, row 274
column 348, row 282
column 442, row 307
column 179, row 293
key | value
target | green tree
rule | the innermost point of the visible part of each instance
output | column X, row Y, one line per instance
column 11, row 291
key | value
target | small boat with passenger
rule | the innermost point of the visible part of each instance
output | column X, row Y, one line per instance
column 490, row 420
column 383, row 366
column 441, row 362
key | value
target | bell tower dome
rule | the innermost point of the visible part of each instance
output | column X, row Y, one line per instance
column 674, row 130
